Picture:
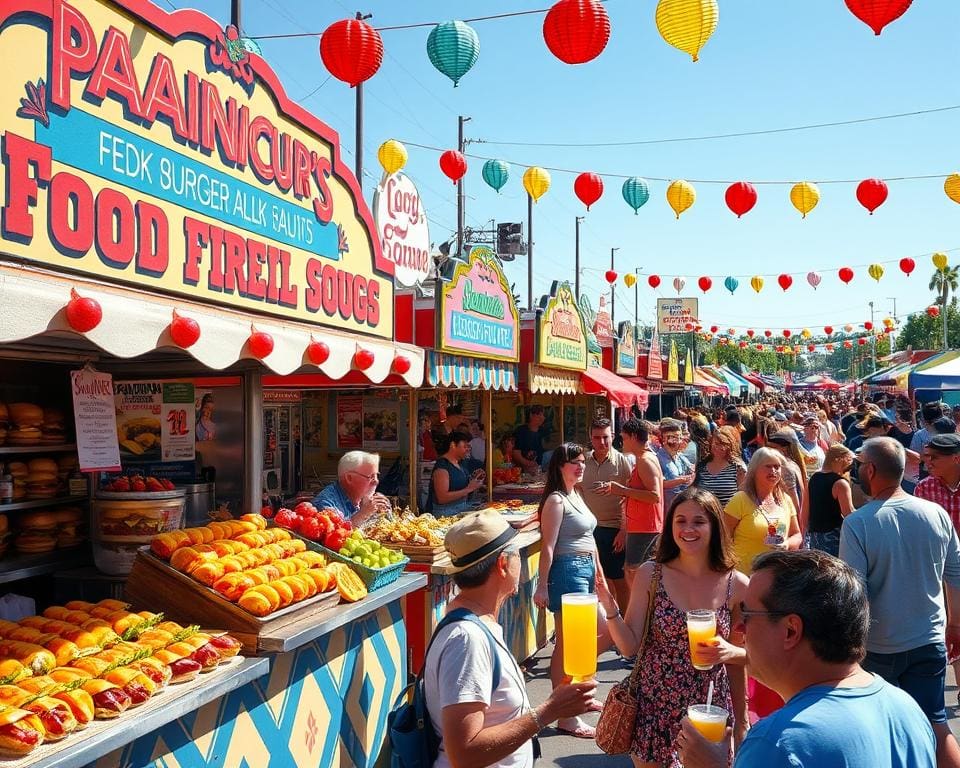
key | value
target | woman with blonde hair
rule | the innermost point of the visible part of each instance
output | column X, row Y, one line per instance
column 787, row 444
column 722, row 470
column 830, row 500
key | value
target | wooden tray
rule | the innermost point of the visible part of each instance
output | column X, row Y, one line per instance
column 155, row 585
column 420, row 553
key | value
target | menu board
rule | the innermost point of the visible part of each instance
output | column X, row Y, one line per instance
column 95, row 419
column 156, row 420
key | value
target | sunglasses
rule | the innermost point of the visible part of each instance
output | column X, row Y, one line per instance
column 746, row 614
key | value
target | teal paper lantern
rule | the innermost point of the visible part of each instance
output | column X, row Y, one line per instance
column 496, row 173
column 453, row 48
column 636, row 192
column 731, row 284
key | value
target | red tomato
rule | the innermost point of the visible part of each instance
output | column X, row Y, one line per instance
column 266, row 511
column 345, row 524
column 305, row 509
column 311, row 528
column 335, row 539
column 285, row 518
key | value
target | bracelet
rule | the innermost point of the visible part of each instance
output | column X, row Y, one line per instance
column 617, row 615
column 537, row 722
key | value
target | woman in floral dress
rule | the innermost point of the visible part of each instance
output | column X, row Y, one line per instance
column 693, row 568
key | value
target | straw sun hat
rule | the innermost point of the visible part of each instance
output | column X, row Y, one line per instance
column 475, row 536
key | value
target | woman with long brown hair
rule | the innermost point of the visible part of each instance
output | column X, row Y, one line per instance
column 721, row 471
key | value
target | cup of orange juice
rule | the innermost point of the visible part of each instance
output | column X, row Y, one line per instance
column 578, row 613
column 709, row 720
column 701, row 628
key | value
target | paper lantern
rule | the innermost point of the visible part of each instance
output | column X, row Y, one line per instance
column 875, row 271
column 611, row 276
column 636, row 192
column 907, row 266
column 846, row 274
column 871, row 193
column 848, row 344
column 495, row 173
column 741, row 197
column 318, row 352
column 185, row 331
column 576, row 31
column 714, row 328
column 260, row 344
column 588, row 187
column 731, row 284
column 768, row 334
column 811, row 347
column 828, row 329
column 653, row 281
column 688, row 326
column 732, row 331
column 536, row 181
column 681, row 195
column 861, row 341
column 352, row 50
column 804, row 197
column 848, row 328
column 453, row 48
column 687, row 24
column 705, row 283
column 750, row 332
column 888, row 322
column 743, row 345
column 933, row 311
column 362, row 359
column 453, row 165
column 630, row 279
column 785, row 281
column 805, row 333
column 868, row 326
column 786, row 333
column 759, row 347
column 678, row 283
column 951, row 186
column 756, row 282
column 829, row 347
column 876, row 14
column 939, row 261
column 83, row 313
column 814, row 279
column 401, row 364
column 392, row 155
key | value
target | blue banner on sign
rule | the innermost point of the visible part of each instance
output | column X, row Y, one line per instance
column 473, row 330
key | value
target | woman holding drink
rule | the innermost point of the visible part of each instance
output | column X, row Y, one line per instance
column 697, row 591
column 569, row 565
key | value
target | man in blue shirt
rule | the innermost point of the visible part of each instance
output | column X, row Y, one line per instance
column 528, row 441
column 353, row 494
column 805, row 620
column 677, row 469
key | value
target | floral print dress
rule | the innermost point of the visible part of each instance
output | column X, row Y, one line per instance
column 668, row 681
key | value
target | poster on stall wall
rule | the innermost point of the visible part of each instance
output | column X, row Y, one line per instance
column 349, row 422
column 381, row 424
column 156, row 420
column 96, row 420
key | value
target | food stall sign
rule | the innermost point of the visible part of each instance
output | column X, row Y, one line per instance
column 674, row 315
column 154, row 149
column 625, row 352
column 673, row 363
column 603, row 324
column 402, row 228
column 476, row 313
column 654, row 361
column 561, row 335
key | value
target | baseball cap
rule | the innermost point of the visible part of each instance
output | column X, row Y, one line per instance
column 810, row 418
column 475, row 536
column 784, row 436
column 948, row 443
column 779, row 416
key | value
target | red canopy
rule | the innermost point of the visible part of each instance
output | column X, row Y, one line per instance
column 600, row 381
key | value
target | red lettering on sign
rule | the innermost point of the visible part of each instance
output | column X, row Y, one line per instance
column 20, row 156
column 116, row 233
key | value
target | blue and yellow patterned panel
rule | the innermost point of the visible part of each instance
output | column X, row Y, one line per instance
column 323, row 704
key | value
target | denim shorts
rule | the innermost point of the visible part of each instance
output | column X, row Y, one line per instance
column 921, row 672
column 570, row 573
column 825, row 541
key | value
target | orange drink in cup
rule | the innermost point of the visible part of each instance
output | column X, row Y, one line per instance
column 710, row 721
column 701, row 628
column 579, row 620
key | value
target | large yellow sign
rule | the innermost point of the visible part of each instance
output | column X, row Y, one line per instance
column 561, row 334
column 152, row 148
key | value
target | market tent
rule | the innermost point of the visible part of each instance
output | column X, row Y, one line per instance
column 734, row 383
column 771, row 381
column 710, row 386
column 752, row 390
column 938, row 373
column 755, row 380
column 815, row 383
column 623, row 394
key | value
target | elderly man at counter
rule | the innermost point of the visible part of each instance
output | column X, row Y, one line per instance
column 354, row 492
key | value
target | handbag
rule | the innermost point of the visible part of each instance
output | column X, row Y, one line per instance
column 618, row 721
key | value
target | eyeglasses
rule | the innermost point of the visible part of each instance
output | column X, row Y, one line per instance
column 581, row 462
column 746, row 614
column 371, row 478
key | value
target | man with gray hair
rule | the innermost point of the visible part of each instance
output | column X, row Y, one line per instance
column 905, row 549
column 353, row 494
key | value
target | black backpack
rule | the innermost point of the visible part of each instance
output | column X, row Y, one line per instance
column 413, row 742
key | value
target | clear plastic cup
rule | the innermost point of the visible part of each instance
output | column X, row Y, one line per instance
column 579, row 619
column 709, row 720
column 701, row 627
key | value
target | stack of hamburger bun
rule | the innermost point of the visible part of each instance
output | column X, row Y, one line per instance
column 70, row 527
column 4, row 423
column 52, row 429
column 26, row 418
column 18, row 471
column 42, row 478
column 38, row 532
column 67, row 464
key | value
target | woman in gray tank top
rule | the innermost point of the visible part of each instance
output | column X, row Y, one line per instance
column 568, row 558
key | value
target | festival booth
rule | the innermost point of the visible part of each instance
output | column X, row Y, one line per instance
column 710, row 386
column 175, row 229
column 937, row 378
column 814, row 383
column 650, row 374
column 894, row 379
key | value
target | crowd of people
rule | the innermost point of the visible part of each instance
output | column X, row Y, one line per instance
column 821, row 533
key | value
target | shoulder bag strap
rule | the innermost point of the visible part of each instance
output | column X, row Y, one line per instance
column 634, row 683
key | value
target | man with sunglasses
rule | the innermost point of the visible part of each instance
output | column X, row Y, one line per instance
column 353, row 494
column 805, row 621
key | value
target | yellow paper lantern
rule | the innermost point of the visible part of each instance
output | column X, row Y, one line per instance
column 940, row 261
column 681, row 195
column 536, row 181
column 804, row 197
column 805, row 333
column 630, row 279
column 888, row 322
column 756, row 282
column 951, row 186
column 392, row 155
column 875, row 271
column 687, row 24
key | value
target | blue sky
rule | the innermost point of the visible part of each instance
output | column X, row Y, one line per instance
column 770, row 64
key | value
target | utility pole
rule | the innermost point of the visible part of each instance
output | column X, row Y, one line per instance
column 613, row 291
column 636, row 309
column 461, row 145
column 358, row 167
column 235, row 14
column 576, row 257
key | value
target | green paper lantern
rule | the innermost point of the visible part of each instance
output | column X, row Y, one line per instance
column 453, row 48
column 496, row 173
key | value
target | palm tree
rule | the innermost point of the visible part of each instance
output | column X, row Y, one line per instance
column 943, row 281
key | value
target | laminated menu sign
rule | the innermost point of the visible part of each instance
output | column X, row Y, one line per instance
column 96, row 420
column 156, row 420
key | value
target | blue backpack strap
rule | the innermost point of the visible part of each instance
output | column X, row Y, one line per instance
column 462, row 614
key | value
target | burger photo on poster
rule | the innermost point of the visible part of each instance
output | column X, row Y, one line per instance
column 115, row 521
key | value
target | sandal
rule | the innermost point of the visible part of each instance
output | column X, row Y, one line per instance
column 595, row 706
column 580, row 731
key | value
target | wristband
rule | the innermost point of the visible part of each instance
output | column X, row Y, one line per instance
column 537, row 722
column 616, row 615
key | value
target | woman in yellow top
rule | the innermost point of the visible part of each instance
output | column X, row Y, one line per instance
column 761, row 517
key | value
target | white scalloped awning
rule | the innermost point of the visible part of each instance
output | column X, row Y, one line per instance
column 551, row 381
column 134, row 323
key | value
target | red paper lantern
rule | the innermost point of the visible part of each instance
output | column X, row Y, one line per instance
column 750, row 332
column 741, row 197
column 846, row 274
column 610, row 276
column 83, row 313
column 653, row 281
column 828, row 329
column 861, row 341
column 785, row 281
column 588, row 187
column 871, row 193
column 352, row 50
column 401, row 364
column 829, row 347
column 362, row 359
column 848, row 344
column 318, row 352
column 688, row 326
column 743, row 345
column 453, row 165
column 868, row 325
column 714, row 328
column 786, row 333
column 876, row 14
column 705, row 283
column 760, row 347
column 768, row 334
column 933, row 311
column 260, row 344
column 811, row 347
column 907, row 266
column 185, row 331
column 576, row 31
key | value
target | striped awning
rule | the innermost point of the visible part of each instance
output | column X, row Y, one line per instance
column 445, row 370
column 550, row 381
